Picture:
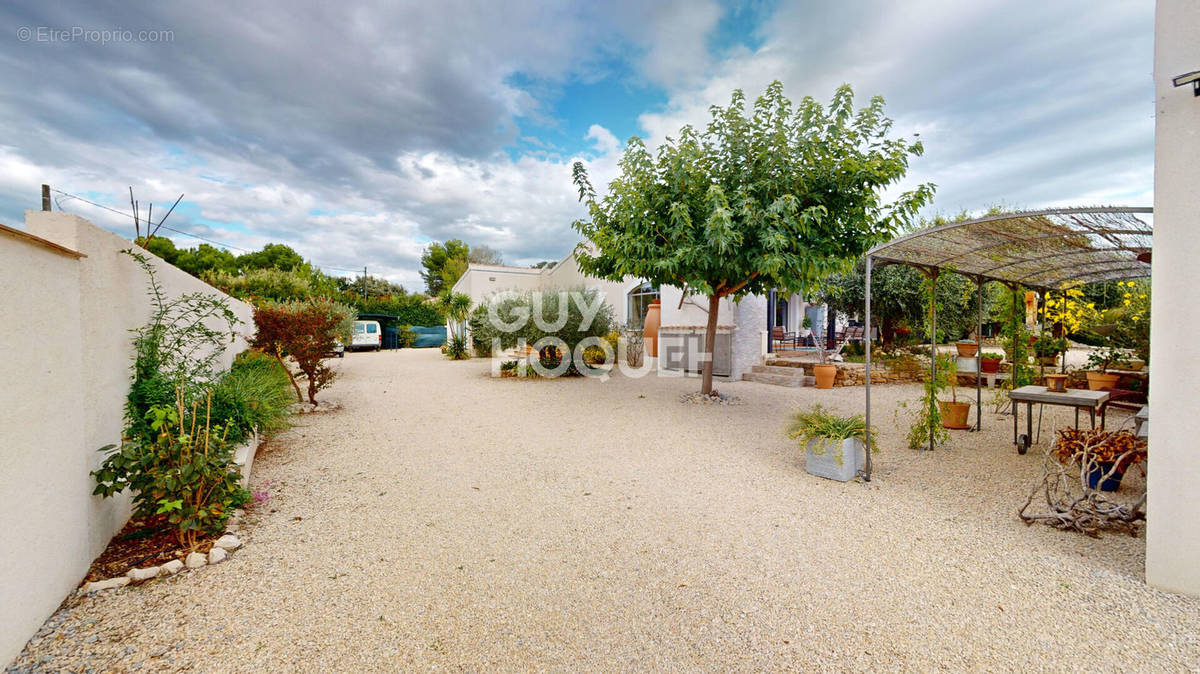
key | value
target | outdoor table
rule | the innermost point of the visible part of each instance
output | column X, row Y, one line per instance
column 1077, row 398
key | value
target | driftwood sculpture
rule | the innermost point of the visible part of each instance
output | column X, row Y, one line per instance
column 1070, row 500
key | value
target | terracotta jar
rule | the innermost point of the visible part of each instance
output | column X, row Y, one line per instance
column 650, row 327
column 990, row 365
column 967, row 349
column 825, row 373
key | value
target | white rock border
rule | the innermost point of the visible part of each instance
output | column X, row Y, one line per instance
column 221, row 549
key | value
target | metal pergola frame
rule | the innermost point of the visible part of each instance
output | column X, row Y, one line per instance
column 1021, row 249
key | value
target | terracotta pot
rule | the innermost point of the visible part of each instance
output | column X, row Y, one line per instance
column 650, row 328
column 1056, row 383
column 1098, row 381
column 990, row 366
column 967, row 349
column 825, row 373
column 954, row 415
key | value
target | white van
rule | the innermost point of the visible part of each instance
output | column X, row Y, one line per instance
column 367, row 335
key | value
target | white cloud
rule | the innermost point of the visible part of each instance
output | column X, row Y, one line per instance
column 391, row 120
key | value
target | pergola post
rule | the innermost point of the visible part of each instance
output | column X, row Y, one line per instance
column 867, row 321
column 933, row 277
column 979, row 361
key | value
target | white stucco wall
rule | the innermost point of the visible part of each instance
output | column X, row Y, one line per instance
column 1173, row 509
column 68, row 349
column 749, row 338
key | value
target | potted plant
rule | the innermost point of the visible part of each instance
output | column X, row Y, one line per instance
column 990, row 362
column 1098, row 363
column 1047, row 348
column 966, row 348
column 806, row 326
column 833, row 445
column 1056, row 383
column 824, row 371
column 954, row 413
column 1102, row 456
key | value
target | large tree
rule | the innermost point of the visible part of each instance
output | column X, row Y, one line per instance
column 442, row 264
column 272, row 256
column 777, row 199
column 484, row 254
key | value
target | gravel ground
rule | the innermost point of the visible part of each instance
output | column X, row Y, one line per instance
column 447, row 520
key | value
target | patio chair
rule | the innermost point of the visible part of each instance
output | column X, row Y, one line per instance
column 780, row 337
column 1122, row 399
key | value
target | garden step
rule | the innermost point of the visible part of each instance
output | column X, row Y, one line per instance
column 785, row 363
column 782, row 370
column 775, row 379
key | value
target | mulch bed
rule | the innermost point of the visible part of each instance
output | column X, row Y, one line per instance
column 146, row 542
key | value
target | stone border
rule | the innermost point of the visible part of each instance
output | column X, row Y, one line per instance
column 220, row 551
column 243, row 458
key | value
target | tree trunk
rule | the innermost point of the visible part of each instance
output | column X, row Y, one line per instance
column 710, row 338
column 292, row 378
column 887, row 332
column 312, row 391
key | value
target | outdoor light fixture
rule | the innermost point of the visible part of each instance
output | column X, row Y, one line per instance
column 1193, row 78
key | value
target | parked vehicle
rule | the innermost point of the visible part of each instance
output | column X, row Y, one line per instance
column 367, row 335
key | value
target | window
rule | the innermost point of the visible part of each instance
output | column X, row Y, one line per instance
column 371, row 328
column 638, row 301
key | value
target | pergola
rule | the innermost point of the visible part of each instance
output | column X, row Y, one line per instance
column 1046, row 250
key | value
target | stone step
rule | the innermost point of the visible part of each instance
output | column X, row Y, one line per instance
column 774, row 379
column 782, row 370
column 783, row 362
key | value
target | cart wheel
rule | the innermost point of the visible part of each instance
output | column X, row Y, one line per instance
column 1023, row 444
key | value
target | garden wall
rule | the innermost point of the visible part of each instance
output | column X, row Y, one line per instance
column 855, row 374
column 68, row 298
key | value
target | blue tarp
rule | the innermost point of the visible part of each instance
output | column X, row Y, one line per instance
column 429, row 336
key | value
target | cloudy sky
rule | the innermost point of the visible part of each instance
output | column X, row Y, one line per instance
column 359, row 132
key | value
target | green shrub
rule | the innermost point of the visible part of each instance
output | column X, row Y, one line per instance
column 510, row 307
column 456, row 348
column 254, row 395
column 183, row 473
column 181, row 343
column 408, row 309
column 829, row 430
column 854, row 348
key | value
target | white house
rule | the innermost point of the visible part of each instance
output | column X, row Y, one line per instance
column 742, row 326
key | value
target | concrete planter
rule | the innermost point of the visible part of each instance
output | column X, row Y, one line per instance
column 839, row 460
column 243, row 456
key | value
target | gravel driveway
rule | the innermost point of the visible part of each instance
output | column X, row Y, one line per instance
column 447, row 520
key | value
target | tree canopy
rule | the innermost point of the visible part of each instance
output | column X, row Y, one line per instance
column 442, row 264
column 482, row 254
column 779, row 198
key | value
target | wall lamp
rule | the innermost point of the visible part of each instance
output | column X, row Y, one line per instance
column 1192, row 78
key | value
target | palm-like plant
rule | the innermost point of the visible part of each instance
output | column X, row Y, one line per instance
column 457, row 308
